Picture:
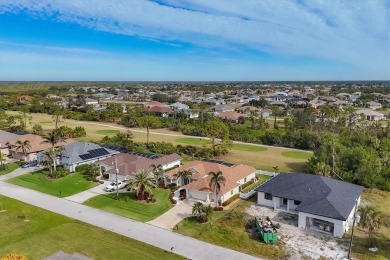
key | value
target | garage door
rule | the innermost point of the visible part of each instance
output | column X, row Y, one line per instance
column 197, row 195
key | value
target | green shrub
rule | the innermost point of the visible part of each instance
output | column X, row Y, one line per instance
column 246, row 184
column 82, row 168
column 230, row 200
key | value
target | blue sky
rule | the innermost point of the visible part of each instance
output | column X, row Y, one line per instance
column 194, row 40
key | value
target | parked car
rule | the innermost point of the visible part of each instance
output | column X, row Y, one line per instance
column 112, row 186
column 30, row 164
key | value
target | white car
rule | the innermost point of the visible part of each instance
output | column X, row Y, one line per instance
column 112, row 186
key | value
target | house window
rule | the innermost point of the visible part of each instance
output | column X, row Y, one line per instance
column 297, row 202
column 231, row 192
column 284, row 202
column 268, row 196
column 244, row 179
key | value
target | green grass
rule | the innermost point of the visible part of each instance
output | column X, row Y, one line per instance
column 107, row 132
column 128, row 206
column 62, row 187
column 260, row 179
column 249, row 148
column 228, row 229
column 10, row 168
column 297, row 155
column 47, row 233
column 188, row 140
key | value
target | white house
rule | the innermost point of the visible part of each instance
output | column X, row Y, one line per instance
column 322, row 204
column 374, row 105
column 370, row 115
column 196, row 187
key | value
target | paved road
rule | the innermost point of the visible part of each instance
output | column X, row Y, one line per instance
column 159, row 237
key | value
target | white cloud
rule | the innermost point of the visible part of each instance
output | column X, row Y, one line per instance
column 354, row 32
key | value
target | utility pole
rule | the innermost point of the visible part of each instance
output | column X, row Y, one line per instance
column 1, row 159
column 353, row 227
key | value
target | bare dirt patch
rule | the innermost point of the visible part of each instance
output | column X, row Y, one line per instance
column 300, row 243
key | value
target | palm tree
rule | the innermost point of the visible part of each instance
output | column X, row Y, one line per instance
column 185, row 176
column 142, row 183
column 47, row 162
column 370, row 218
column 197, row 209
column 24, row 146
column 207, row 212
column 216, row 182
column 202, row 212
column 53, row 139
column 323, row 169
column 93, row 169
column 157, row 171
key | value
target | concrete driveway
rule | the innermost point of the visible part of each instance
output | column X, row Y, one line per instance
column 169, row 219
column 19, row 172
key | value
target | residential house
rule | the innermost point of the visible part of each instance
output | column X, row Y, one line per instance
column 321, row 203
column 279, row 104
column 37, row 143
column 179, row 106
column 129, row 164
column 197, row 188
column 91, row 101
column 370, row 115
column 247, row 110
column 231, row 116
column 79, row 153
column 374, row 105
column 266, row 112
column 162, row 111
column 6, row 138
column 221, row 108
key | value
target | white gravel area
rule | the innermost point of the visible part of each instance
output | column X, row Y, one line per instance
column 300, row 243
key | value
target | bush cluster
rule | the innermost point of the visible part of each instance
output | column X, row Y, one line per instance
column 230, row 200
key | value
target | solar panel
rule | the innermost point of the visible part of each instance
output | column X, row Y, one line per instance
column 147, row 155
column 219, row 162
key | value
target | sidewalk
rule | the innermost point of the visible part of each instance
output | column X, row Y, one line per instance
column 159, row 237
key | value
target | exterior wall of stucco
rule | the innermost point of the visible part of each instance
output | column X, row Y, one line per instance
column 262, row 201
column 339, row 225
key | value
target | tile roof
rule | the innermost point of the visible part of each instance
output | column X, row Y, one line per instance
column 6, row 137
column 158, row 109
column 201, row 176
column 319, row 195
column 231, row 115
column 37, row 143
column 129, row 164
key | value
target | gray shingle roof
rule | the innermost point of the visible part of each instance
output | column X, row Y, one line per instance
column 72, row 152
column 318, row 195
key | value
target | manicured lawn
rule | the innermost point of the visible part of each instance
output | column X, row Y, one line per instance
column 62, row 187
column 249, row 148
column 107, row 132
column 188, row 140
column 10, row 167
column 297, row 155
column 261, row 179
column 47, row 233
column 128, row 206
column 228, row 229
